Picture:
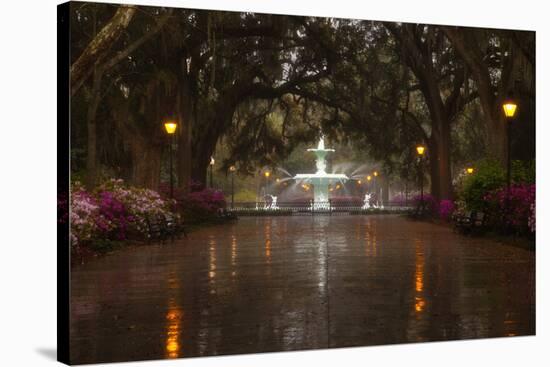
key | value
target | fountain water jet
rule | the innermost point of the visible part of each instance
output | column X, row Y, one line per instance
column 320, row 179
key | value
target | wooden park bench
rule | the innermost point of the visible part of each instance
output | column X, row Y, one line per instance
column 175, row 227
column 419, row 211
column 470, row 222
column 225, row 214
column 161, row 228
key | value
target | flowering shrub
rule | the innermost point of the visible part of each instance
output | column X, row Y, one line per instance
column 201, row 205
column 446, row 209
column 113, row 218
column 139, row 203
column 513, row 209
column 532, row 219
column 112, row 211
column 209, row 199
column 428, row 201
column 83, row 214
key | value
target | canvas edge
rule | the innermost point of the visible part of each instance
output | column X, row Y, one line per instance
column 63, row 165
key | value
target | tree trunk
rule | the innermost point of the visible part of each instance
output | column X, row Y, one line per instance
column 184, row 154
column 433, row 168
column 440, row 164
column 91, row 157
column 494, row 118
column 385, row 191
column 144, row 149
column 146, row 159
column 186, row 113
column 444, row 162
column 199, row 169
column 202, row 153
column 497, row 139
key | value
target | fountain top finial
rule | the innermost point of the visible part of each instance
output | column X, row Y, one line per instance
column 321, row 145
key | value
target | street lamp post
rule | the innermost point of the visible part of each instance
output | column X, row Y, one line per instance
column 212, row 162
column 509, row 107
column 267, row 174
column 232, row 169
column 375, row 185
column 420, row 151
column 170, row 127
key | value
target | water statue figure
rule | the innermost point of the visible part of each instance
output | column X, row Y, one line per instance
column 274, row 202
column 268, row 199
column 366, row 201
column 271, row 202
column 320, row 179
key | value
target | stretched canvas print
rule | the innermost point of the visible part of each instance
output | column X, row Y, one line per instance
column 237, row 182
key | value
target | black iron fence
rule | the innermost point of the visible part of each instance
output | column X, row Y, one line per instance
column 329, row 207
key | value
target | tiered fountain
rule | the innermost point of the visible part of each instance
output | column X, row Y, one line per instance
column 321, row 179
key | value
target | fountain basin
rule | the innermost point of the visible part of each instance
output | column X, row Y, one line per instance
column 320, row 176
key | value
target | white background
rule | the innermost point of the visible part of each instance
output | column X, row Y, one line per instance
column 28, row 182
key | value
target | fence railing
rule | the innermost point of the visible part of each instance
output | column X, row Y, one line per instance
column 319, row 207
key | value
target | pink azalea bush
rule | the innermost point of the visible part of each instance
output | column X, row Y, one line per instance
column 430, row 202
column 113, row 211
column 443, row 209
column 446, row 209
column 532, row 219
column 140, row 203
column 83, row 213
column 514, row 209
column 199, row 204
column 203, row 205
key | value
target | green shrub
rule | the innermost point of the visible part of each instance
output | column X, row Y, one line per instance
column 488, row 176
column 523, row 172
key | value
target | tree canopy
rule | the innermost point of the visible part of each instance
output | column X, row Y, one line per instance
column 264, row 84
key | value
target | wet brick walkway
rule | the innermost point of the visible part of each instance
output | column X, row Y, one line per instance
column 290, row 283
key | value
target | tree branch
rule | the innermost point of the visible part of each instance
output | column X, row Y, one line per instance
column 98, row 48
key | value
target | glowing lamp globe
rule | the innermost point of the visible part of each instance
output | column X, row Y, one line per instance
column 509, row 108
column 420, row 150
column 170, row 127
column 469, row 170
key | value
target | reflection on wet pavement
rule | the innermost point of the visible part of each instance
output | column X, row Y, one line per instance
column 289, row 283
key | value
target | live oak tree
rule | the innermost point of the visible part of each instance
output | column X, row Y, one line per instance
column 497, row 59
column 441, row 79
column 201, row 68
column 97, row 60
